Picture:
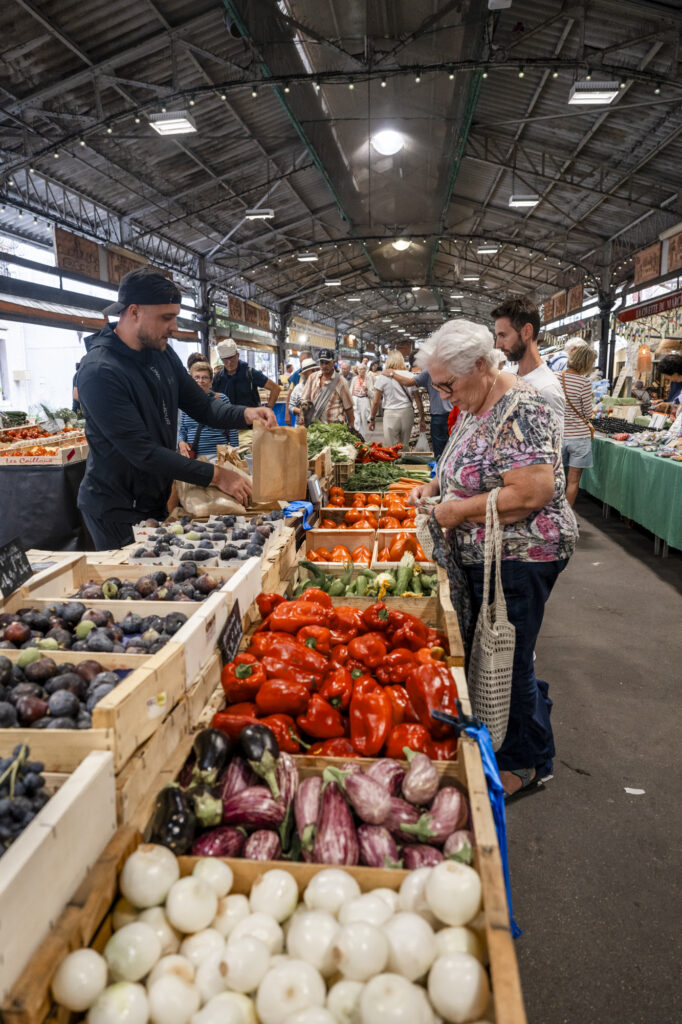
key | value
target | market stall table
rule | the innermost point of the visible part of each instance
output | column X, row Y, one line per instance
column 640, row 485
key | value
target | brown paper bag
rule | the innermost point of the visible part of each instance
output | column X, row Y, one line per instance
column 280, row 463
column 210, row 501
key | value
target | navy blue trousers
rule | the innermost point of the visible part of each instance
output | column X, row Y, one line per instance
column 529, row 742
column 439, row 433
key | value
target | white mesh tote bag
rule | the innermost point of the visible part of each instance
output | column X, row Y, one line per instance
column 492, row 651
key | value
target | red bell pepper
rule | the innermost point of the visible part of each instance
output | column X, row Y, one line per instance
column 401, row 706
column 396, row 666
column 364, row 683
column 276, row 669
column 432, row 688
column 321, row 720
column 232, row 720
column 297, row 655
column 261, row 642
column 407, row 631
column 426, row 655
column 339, row 655
column 267, row 602
column 346, row 624
column 370, row 721
column 414, row 736
column 337, row 688
column 282, row 697
column 376, row 617
column 286, row 733
column 317, row 638
column 242, row 678
column 443, row 750
column 340, row 747
column 293, row 615
column 318, row 596
column 369, row 649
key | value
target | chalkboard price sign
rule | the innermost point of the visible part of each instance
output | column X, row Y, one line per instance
column 15, row 568
column 231, row 636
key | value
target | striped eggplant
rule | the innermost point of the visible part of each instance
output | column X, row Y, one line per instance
column 253, row 808
column 368, row 798
column 286, row 774
column 219, row 842
column 449, row 811
column 460, row 846
column 388, row 773
column 262, row 845
column 378, row 847
column 420, row 856
column 400, row 815
column 306, row 811
column 336, row 841
column 236, row 777
column 421, row 782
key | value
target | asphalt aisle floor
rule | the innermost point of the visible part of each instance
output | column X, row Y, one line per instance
column 595, row 870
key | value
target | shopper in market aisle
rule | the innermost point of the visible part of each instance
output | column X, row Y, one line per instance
column 239, row 381
column 671, row 366
column 396, row 400
column 440, row 409
column 131, row 385
column 517, row 326
column 361, row 403
column 576, row 449
column 642, row 395
column 559, row 360
column 326, row 396
column 292, row 409
column 506, row 436
column 194, row 438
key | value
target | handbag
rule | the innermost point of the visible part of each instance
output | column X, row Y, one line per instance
column 315, row 410
column 491, row 661
column 579, row 414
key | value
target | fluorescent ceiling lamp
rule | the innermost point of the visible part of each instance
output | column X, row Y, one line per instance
column 354, row 300
column 456, row 295
column 333, row 282
column 260, row 213
column 416, row 288
column 499, row 5
column 470, row 277
column 173, row 122
column 487, row 249
column 388, row 142
column 307, row 257
column 401, row 244
column 303, row 338
column 401, row 330
column 519, row 202
column 592, row 93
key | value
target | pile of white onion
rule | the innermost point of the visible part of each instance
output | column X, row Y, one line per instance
column 189, row 951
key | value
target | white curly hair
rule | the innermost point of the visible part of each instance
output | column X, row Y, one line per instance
column 458, row 344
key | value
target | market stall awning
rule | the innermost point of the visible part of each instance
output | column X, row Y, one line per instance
column 52, row 314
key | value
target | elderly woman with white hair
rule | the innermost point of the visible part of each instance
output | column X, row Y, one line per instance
column 507, row 437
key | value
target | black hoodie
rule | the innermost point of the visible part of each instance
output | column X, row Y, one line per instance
column 131, row 401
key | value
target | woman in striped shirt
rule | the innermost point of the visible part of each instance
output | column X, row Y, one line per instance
column 209, row 437
column 577, row 443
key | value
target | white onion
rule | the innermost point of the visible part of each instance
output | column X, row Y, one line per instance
column 122, row 1003
column 412, row 898
column 390, row 896
column 310, row 938
column 201, row 945
column 458, row 987
column 329, row 889
column 313, row 1015
column 427, row 1014
column 262, row 927
column 227, row 1008
column 274, row 893
column 246, row 962
column 191, row 904
column 231, row 910
column 453, row 892
column 156, row 918
column 287, row 989
column 210, row 979
column 217, row 873
column 390, row 999
column 367, row 907
column 342, row 999
column 172, row 1000
column 459, row 940
column 412, row 945
column 173, row 964
column 360, row 950
column 81, row 977
column 124, row 913
column 132, row 951
column 148, row 874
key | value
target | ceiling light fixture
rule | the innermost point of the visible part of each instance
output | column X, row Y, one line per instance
column 20, row 213
column 486, row 250
column 485, row 74
column 588, row 76
column 259, row 213
column 592, row 93
column 657, row 90
column 351, row 83
column 457, row 295
column 383, row 83
column 254, row 91
column 333, row 282
column 173, row 122
column 555, row 74
column 137, row 119
column 307, row 257
column 56, row 154
column 354, row 299
column 418, row 77
column 451, row 74
column 223, row 95
column 81, row 142
column 416, row 287
column 401, row 244
column 109, row 130
column 388, row 142
column 518, row 202
column 622, row 83
column 522, row 72
column 287, row 89
column 191, row 101
column 470, row 277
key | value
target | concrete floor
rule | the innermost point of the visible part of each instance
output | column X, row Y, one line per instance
column 595, row 871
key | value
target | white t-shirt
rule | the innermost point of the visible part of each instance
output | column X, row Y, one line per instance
column 393, row 396
column 549, row 386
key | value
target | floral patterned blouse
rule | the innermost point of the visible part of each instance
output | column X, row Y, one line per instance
column 520, row 430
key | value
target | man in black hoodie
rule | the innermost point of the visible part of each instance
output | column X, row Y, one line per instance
column 130, row 386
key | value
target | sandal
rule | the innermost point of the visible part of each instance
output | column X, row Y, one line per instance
column 530, row 782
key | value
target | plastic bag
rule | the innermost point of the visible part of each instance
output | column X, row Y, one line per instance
column 422, row 444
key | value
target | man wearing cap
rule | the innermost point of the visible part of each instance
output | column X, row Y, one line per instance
column 293, row 405
column 327, row 395
column 131, row 385
column 239, row 381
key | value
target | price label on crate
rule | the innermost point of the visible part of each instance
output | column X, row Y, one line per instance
column 232, row 633
column 15, row 568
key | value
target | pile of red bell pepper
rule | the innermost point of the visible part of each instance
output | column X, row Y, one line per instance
column 376, row 452
column 341, row 681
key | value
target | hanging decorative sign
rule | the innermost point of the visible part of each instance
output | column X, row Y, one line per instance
column 675, row 252
column 264, row 319
column 651, row 308
column 559, row 304
column 575, row 298
column 251, row 314
column 120, row 262
column 548, row 311
column 76, row 254
column 648, row 264
column 236, row 308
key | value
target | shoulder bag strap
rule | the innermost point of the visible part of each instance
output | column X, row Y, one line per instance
column 500, row 616
column 578, row 414
column 488, row 558
column 324, row 398
column 195, row 442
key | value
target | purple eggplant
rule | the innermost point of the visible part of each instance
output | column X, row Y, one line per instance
column 262, row 845
column 336, row 841
column 253, row 808
column 421, row 782
column 400, row 814
column 421, row 856
column 460, row 846
column 306, row 812
column 237, row 776
column 378, row 847
column 287, row 778
column 173, row 823
column 368, row 798
column 388, row 773
column 212, row 749
column 219, row 842
column 449, row 811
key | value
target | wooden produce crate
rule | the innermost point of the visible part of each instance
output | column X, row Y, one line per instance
column 86, row 920
column 279, row 559
column 61, row 457
column 343, row 472
column 321, row 464
column 43, row 868
column 384, row 538
column 328, row 539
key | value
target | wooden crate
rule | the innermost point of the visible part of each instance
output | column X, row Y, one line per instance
column 384, row 538
column 321, row 464
column 328, row 539
column 87, row 918
column 279, row 559
column 51, row 858
column 62, row 456
column 343, row 472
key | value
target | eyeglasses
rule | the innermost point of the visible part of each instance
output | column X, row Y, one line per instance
column 446, row 386
column 202, row 376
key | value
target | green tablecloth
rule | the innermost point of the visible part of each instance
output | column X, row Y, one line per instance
column 642, row 486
